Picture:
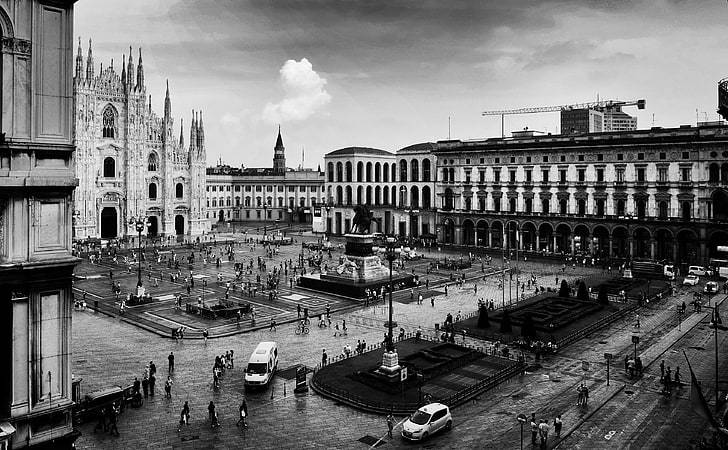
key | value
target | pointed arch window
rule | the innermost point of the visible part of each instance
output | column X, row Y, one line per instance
column 109, row 167
column 109, row 123
column 152, row 162
column 179, row 191
column 153, row 192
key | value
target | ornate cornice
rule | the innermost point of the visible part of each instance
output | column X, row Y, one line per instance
column 16, row 46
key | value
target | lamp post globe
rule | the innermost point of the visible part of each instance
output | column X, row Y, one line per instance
column 391, row 255
column 139, row 223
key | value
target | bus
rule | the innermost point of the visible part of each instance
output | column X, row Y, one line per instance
column 720, row 263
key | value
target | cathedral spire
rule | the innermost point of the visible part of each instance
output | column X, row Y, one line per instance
column 150, row 103
column 123, row 70
column 140, row 72
column 130, row 71
column 200, row 133
column 89, row 63
column 79, row 62
column 181, row 134
column 193, row 132
column 167, row 105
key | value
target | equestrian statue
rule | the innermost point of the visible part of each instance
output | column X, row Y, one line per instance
column 362, row 220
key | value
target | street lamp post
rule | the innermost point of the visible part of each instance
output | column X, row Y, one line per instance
column 265, row 219
column 139, row 223
column 522, row 419
column 391, row 254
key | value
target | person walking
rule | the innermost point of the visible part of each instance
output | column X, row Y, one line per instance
column 580, row 392
column 243, row 409
column 145, row 386
column 662, row 370
column 324, row 358
column 557, row 425
column 543, row 432
column 205, row 334
column 585, row 393
column 152, row 382
column 113, row 415
column 168, row 387
column 534, row 429
column 170, row 358
column 212, row 414
column 390, row 424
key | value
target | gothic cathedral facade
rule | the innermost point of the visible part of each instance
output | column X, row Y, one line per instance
column 129, row 163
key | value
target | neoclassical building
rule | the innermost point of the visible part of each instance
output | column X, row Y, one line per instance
column 657, row 193
column 263, row 194
column 36, row 264
column 398, row 187
column 129, row 162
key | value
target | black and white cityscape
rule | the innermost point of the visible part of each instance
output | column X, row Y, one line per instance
column 363, row 224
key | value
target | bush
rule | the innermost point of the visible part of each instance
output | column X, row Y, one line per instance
column 564, row 290
column 583, row 291
column 483, row 317
column 528, row 329
column 603, row 298
column 505, row 324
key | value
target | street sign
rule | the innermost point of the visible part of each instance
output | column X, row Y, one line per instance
column 585, row 365
column 635, row 339
column 403, row 374
column 608, row 356
column 522, row 418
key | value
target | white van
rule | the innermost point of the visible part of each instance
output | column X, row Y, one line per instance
column 262, row 365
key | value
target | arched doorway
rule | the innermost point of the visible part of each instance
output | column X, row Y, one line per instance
column 620, row 244
column 641, row 244
column 687, row 250
column 717, row 239
column 720, row 204
column 109, row 223
column 179, row 224
column 448, row 231
column 220, row 217
column 581, row 240
column 153, row 226
column 482, row 230
column 528, row 236
column 496, row 234
column 511, row 236
column 468, row 232
column 546, row 235
column 601, row 242
column 563, row 239
column 665, row 245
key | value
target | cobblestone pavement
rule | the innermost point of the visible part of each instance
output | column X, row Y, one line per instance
column 109, row 351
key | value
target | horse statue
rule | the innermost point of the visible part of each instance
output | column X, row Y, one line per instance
column 362, row 220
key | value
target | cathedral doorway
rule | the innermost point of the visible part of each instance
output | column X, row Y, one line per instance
column 179, row 224
column 153, row 226
column 109, row 223
column 221, row 216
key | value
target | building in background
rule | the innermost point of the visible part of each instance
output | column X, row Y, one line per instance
column 655, row 194
column 36, row 265
column 268, row 194
column 398, row 187
column 129, row 161
column 581, row 120
column 617, row 120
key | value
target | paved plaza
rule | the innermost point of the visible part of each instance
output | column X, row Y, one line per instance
column 110, row 350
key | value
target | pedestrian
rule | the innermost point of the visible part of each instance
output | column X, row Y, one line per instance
column 343, row 327
column 676, row 377
column 432, row 301
column 102, row 421
column 113, row 414
column 324, row 358
column 543, row 431
column 534, row 429
column 243, row 409
column 168, row 387
column 205, row 334
column 586, row 395
column 212, row 414
column 557, row 425
column 662, row 370
column 152, row 382
column 638, row 321
column 170, row 358
column 390, row 424
column 667, row 380
column 272, row 325
column 145, row 386
column 152, row 368
column 580, row 392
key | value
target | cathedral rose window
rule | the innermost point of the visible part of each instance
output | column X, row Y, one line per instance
column 108, row 122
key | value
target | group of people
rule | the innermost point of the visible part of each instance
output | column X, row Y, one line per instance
column 540, row 430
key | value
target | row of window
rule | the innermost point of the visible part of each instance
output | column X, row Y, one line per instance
column 599, row 206
column 222, row 215
column 583, row 174
column 258, row 188
column 110, row 165
column 221, row 202
column 378, row 172
column 179, row 191
column 562, row 158
column 381, row 196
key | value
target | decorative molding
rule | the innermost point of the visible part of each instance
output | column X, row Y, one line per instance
column 16, row 46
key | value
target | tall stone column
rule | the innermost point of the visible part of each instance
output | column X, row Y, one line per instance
column 652, row 249
column 490, row 237
column 573, row 245
column 591, row 244
column 611, row 248
column 631, row 247
column 475, row 236
column 538, row 242
column 553, row 239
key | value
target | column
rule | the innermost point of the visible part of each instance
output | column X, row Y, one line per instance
column 519, row 236
column 538, row 242
column 475, row 235
column 611, row 249
column 631, row 247
column 490, row 237
column 591, row 244
column 674, row 253
column 553, row 236
column 573, row 245
column 652, row 249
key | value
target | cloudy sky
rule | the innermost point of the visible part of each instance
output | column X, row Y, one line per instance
column 389, row 73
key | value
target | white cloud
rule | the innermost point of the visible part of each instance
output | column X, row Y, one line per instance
column 305, row 93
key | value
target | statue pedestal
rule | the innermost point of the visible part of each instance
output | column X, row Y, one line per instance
column 390, row 363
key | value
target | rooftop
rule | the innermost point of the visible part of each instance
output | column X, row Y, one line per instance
column 358, row 151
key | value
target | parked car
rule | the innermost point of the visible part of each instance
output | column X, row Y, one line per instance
column 711, row 287
column 699, row 271
column 427, row 421
column 691, row 280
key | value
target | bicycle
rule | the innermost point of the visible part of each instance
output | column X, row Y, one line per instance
column 302, row 329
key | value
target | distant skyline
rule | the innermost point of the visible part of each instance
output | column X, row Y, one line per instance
column 387, row 74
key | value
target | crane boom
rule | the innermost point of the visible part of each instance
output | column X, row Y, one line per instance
column 591, row 105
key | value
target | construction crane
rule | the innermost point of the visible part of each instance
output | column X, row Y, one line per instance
column 604, row 104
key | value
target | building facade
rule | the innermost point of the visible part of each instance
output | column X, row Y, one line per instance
column 129, row 162
column 658, row 193
column 36, row 187
column 398, row 187
column 250, row 194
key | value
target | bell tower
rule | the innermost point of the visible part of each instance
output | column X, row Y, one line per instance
column 279, row 155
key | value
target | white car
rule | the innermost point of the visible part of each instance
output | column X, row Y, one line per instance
column 711, row 287
column 699, row 271
column 691, row 280
column 427, row 421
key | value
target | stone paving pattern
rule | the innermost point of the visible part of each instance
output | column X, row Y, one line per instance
column 110, row 351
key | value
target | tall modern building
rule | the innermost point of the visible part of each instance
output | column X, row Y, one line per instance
column 129, row 161
column 582, row 120
column 36, row 187
column 617, row 120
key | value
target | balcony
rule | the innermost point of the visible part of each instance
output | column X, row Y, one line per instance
column 528, row 184
column 686, row 184
column 620, row 184
column 581, row 184
column 497, row 185
column 600, row 184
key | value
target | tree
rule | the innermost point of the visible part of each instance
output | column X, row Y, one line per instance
column 483, row 317
column 528, row 329
column 564, row 290
column 505, row 323
column 603, row 297
column 583, row 292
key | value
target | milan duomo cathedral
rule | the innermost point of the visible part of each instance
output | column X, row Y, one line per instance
column 129, row 163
